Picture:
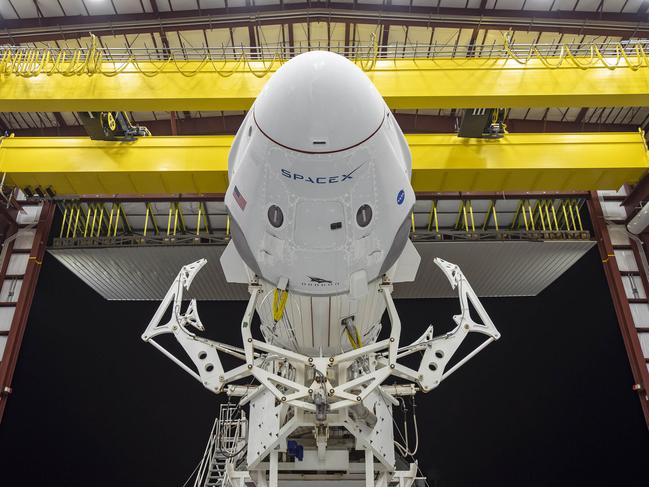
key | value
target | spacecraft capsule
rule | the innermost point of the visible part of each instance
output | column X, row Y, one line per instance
column 320, row 195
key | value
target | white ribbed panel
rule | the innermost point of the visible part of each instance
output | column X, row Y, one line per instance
column 3, row 343
column 317, row 321
column 613, row 210
column 10, row 290
column 17, row 264
column 25, row 238
column 618, row 235
column 6, row 316
column 625, row 260
column 633, row 287
column 640, row 313
column 644, row 344
column 29, row 214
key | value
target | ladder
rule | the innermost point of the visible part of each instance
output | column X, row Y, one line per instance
column 22, row 254
column 627, row 273
column 225, row 444
column 216, row 472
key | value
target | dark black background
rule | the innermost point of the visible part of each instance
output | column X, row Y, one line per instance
column 549, row 404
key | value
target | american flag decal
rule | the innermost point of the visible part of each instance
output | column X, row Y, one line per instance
column 241, row 201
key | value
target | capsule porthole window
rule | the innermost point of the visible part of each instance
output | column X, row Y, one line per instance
column 275, row 216
column 364, row 216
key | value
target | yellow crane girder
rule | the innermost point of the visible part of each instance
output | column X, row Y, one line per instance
column 441, row 162
column 404, row 83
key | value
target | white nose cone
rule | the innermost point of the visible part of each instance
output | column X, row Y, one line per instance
column 319, row 102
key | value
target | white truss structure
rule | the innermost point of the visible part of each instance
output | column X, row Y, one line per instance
column 336, row 407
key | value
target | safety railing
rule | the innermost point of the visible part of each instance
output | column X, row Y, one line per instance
column 355, row 50
column 97, row 224
column 111, row 222
column 260, row 60
column 546, row 216
column 530, row 215
column 202, row 475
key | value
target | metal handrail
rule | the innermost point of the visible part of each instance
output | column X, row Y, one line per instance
column 359, row 51
column 204, row 468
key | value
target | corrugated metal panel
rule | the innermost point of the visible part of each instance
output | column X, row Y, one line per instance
column 511, row 268
column 145, row 273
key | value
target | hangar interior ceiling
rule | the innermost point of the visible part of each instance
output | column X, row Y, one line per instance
column 455, row 28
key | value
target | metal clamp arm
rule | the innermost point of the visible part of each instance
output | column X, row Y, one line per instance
column 202, row 352
column 438, row 351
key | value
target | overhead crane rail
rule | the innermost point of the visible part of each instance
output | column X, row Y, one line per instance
column 408, row 76
column 441, row 162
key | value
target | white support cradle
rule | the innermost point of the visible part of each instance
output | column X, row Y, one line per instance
column 299, row 392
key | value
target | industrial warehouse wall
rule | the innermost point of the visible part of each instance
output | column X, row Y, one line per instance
column 549, row 404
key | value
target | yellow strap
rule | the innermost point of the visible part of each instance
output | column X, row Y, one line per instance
column 279, row 303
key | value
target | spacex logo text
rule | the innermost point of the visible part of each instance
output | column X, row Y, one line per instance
column 319, row 179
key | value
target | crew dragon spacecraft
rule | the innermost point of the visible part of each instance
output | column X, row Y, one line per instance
column 320, row 203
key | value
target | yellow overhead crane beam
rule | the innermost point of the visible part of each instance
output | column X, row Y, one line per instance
column 441, row 162
column 479, row 82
